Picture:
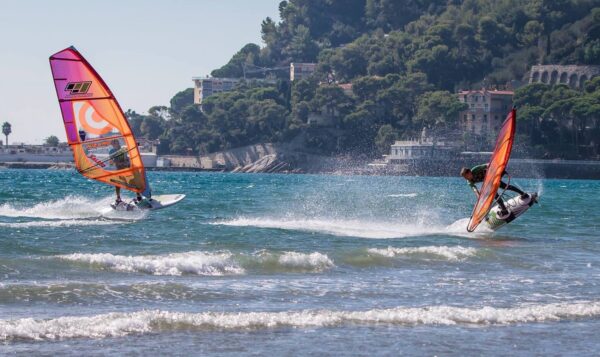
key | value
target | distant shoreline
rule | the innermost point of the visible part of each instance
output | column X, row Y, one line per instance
column 523, row 168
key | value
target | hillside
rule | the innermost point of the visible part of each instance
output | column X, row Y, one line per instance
column 404, row 61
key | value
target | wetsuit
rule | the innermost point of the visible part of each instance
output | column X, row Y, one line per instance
column 479, row 172
column 119, row 158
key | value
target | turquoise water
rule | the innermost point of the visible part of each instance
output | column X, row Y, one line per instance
column 295, row 264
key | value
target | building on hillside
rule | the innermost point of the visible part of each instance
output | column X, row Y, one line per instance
column 407, row 151
column 300, row 71
column 571, row 75
column 204, row 87
column 487, row 110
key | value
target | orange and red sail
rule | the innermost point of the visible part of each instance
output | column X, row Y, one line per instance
column 103, row 144
column 495, row 170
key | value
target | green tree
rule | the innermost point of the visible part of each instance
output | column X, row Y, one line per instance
column 438, row 110
column 52, row 141
column 248, row 55
column 181, row 100
column 6, row 130
column 332, row 101
column 159, row 111
column 152, row 127
column 386, row 136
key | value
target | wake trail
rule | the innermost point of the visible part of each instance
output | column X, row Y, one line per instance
column 352, row 228
column 67, row 211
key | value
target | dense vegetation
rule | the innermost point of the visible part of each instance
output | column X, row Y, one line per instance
column 405, row 59
column 560, row 122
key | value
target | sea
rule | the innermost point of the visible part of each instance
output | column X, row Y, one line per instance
column 266, row 264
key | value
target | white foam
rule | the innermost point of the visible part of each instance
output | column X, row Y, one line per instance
column 352, row 228
column 313, row 261
column 204, row 263
column 413, row 194
column 459, row 228
column 60, row 223
column 454, row 254
column 121, row 324
column 198, row 263
column 70, row 207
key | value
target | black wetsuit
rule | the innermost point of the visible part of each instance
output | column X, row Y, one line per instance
column 479, row 172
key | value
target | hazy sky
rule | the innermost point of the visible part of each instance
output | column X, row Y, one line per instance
column 146, row 50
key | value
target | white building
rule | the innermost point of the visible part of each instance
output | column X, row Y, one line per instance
column 403, row 151
column 300, row 71
column 204, row 87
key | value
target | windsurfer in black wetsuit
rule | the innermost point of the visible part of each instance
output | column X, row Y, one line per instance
column 119, row 158
column 477, row 174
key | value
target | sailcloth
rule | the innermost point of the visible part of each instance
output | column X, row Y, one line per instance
column 100, row 137
column 495, row 170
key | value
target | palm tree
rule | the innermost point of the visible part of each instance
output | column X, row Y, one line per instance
column 6, row 130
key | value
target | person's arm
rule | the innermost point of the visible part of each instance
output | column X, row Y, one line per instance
column 474, row 188
column 118, row 156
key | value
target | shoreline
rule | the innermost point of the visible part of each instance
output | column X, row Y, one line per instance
column 522, row 168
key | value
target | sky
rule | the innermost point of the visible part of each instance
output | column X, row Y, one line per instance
column 146, row 51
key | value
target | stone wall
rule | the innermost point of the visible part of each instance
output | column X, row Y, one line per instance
column 572, row 75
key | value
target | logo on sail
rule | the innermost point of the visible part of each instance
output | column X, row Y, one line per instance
column 90, row 120
column 78, row 87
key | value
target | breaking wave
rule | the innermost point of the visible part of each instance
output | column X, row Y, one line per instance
column 454, row 254
column 197, row 263
column 156, row 321
column 205, row 263
column 307, row 262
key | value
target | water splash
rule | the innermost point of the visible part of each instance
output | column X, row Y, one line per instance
column 64, row 212
column 70, row 207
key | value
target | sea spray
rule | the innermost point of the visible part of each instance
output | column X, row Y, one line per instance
column 338, row 227
column 71, row 208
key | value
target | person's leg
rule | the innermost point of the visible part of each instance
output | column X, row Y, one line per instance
column 118, row 192
column 503, row 209
column 511, row 188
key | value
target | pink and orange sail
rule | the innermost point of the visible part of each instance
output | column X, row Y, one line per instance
column 495, row 170
column 100, row 137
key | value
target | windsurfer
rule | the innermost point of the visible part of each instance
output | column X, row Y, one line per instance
column 477, row 174
column 119, row 158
